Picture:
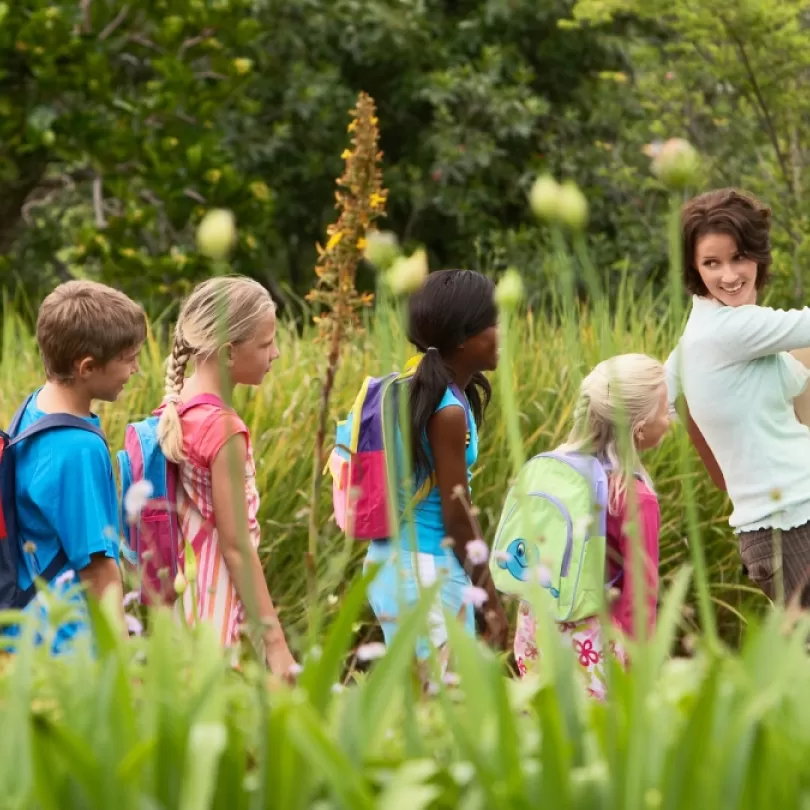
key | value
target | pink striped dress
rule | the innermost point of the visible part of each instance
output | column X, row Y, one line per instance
column 206, row 428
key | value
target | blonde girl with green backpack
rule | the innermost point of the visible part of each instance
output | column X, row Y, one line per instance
column 565, row 526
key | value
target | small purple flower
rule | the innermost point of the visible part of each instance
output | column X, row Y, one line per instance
column 475, row 596
column 65, row 577
column 134, row 625
column 130, row 598
column 477, row 551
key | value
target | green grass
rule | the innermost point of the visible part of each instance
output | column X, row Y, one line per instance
column 282, row 417
column 161, row 722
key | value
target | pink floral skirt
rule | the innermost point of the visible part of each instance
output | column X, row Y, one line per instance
column 584, row 636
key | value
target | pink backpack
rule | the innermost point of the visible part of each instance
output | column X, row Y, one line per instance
column 154, row 542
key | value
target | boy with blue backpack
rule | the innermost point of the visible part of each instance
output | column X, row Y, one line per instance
column 59, row 518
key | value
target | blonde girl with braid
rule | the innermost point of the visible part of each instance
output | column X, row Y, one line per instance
column 622, row 410
column 227, row 330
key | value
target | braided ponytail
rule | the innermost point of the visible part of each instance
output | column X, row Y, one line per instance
column 170, row 429
column 199, row 335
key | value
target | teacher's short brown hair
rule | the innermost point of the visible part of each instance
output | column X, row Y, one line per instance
column 736, row 213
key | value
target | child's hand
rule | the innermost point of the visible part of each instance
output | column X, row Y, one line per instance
column 281, row 662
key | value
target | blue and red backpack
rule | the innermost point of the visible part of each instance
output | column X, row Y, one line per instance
column 12, row 596
column 154, row 538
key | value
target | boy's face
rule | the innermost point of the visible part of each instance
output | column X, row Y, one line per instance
column 106, row 382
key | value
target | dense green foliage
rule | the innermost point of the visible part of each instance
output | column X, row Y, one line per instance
column 121, row 122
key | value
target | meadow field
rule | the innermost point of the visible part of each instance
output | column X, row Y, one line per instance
column 159, row 721
column 136, row 124
column 282, row 417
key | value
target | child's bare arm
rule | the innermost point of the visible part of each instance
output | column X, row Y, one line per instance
column 446, row 432
column 241, row 559
column 101, row 575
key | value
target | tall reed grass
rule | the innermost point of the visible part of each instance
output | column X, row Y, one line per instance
column 282, row 415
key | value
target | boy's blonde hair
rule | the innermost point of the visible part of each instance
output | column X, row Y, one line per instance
column 218, row 312
column 614, row 399
column 86, row 319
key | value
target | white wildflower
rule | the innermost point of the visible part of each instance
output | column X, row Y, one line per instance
column 572, row 206
column 180, row 584
column 382, row 249
column 477, row 551
column 407, row 275
column 371, row 651
column 64, row 578
column 544, row 197
column 216, row 234
column 475, row 596
column 676, row 164
column 542, row 576
column 509, row 292
column 134, row 626
column 136, row 498
column 582, row 525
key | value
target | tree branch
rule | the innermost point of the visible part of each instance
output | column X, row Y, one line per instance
column 112, row 26
column 98, row 202
column 765, row 114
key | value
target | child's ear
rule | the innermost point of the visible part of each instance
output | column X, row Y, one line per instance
column 227, row 350
column 638, row 431
column 85, row 367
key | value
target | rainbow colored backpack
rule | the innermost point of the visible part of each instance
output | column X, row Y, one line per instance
column 359, row 463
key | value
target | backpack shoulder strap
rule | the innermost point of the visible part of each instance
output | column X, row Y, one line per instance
column 17, row 418
column 461, row 397
column 194, row 402
column 58, row 420
column 200, row 400
column 51, row 570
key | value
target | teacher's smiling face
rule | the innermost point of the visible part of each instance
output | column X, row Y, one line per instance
column 729, row 275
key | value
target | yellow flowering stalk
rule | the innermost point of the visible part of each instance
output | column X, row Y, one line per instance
column 361, row 200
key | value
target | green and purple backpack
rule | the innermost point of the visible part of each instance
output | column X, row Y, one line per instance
column 550, row 546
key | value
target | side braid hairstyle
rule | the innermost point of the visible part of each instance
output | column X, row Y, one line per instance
column 199, row 335
column 170, row 429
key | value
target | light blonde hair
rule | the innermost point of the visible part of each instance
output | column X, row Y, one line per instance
column 614, row 399
column 199, row 336
column 86, row 319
